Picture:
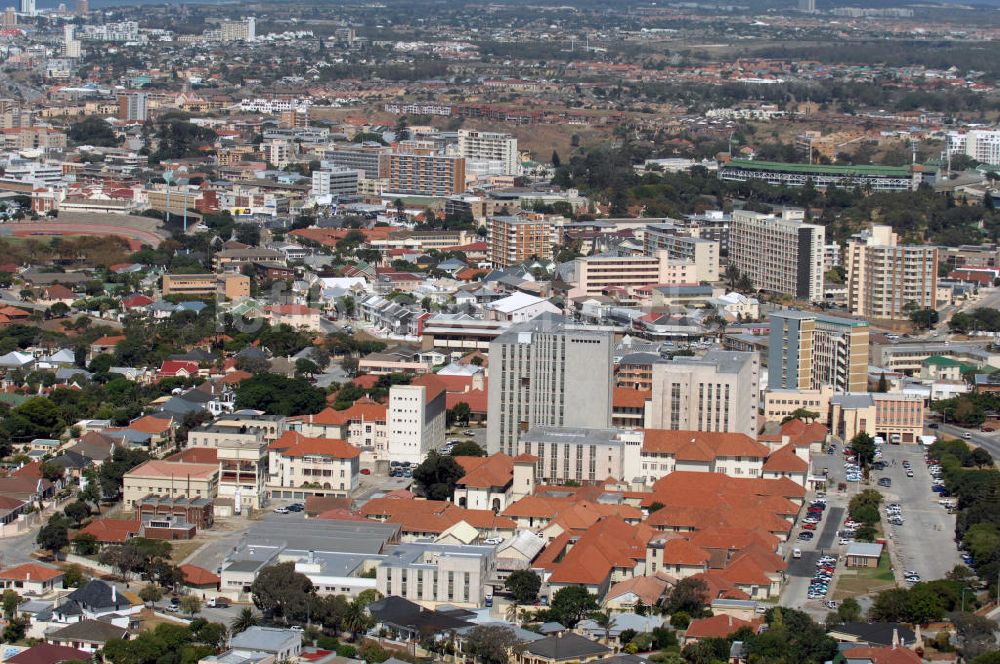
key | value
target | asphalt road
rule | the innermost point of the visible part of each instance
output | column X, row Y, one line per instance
column 988, row 442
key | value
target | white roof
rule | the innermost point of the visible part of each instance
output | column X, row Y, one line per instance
column 343, row 282
column 518, row 300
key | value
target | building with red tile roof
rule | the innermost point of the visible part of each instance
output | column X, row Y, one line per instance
column 608, row 547
column 178, row 369
column 363, row 425
column 429, row 518
column 626, row 595
column 327, row 466
column 716, row 627
column 47, row 653
column 884, row 655
column 199, row 577
column 111, row 531
column 31, row 579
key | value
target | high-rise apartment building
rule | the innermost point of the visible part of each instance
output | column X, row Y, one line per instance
column 681, row 244
column 71, row 45
column 245, row 30
column 885, row 279
column 513, row 240
column 132, row 107
column 717, row 392
column 807, row 5
column 983, row 145
column 9, row 18
column 490, row 146
column 28, row 7
column 780, row 254
column 421, row 174
column 415, row 419
column 807, row 351
column 370, row 159
column 548, row 372
column 82, row 7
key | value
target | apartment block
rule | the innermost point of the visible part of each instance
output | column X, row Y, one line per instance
column 302, row 466
column 171, row 480
column 780, row 254
column 132, row 107
column 229, row 286
column 548, row 372
column 717, row 392
column 681, row 245
column 513, row 240
column 416, row 419
column 584, row 455
column 437, row 574
column 371, row 160
column 885, row 278
column 243, row 462
column 593, row 275
column 490, row 146
column 334, row 181
column 418, row 174
column 780, row 403
column 807, row 351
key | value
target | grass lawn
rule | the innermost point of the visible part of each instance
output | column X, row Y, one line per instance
column 865, row 580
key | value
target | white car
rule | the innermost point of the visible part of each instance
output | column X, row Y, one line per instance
column 845, row 541
column 492, row 541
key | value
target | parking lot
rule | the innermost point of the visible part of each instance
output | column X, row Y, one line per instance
column 925, row 542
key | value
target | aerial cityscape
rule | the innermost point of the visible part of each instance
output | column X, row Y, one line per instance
column 424, row 332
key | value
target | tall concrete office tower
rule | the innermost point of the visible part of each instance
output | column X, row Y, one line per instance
column 548, row 372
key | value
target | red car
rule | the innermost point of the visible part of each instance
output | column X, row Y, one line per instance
column 366, row 471
column 808, row 526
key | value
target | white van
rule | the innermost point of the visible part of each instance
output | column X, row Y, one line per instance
column 796, row 553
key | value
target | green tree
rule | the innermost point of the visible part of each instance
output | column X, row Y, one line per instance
column 150, row 593
column 279, row 395
column 924, row 319
column 689, row 595
column 460, row 413
column 190, row 604
column 53, row 536
column 570, row 604
column 468, row 448
column 523, row 585
column 280, row 591
column 77, row 511
column 437, row 476
column 864, row 447
column 490, row 644
column 357, row 620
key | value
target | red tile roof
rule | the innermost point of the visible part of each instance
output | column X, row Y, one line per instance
column 195, row 455
column 701, row 445
column 717, row 627
column 627, row 397
column 485, row 472
column 293, row 444
column 199, row 576
column 111, row 531
column 47, row 653
column 884, row 655
column 430, row 516
column 30, row 571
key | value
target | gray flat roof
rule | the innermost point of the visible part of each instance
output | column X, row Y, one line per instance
column 367, row 537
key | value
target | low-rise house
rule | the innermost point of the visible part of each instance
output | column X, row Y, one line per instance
column 716, row 627
column 561, row 648
column 87, row 635
column 48, row 653
column 283, row 644
column 31, row 579
column 96, row 599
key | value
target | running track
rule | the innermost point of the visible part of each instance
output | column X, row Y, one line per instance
column 136, row 236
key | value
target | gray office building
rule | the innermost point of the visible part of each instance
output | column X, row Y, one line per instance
column 548, row 372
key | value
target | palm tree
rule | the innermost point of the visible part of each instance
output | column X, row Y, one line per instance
column 606, row 621
column 512, row 611
column 357, row 620
column 244, row 621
